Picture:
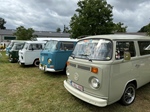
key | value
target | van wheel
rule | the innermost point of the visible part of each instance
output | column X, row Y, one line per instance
column 36, row 63
column 128, row 96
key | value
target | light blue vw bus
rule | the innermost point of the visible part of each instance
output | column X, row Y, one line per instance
column 54, row 56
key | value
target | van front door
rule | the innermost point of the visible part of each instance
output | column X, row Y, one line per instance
column 122, row 71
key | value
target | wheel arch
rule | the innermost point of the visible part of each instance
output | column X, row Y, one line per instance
column 36, row 60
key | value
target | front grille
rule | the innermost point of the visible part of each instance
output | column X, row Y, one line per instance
column 84, row 68
column 44, row 54
column 73, row 65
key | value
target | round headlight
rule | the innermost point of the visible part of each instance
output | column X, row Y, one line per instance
column 94, row 82
column 49, row 61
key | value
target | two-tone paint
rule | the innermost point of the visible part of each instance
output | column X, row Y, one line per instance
column 55, row 54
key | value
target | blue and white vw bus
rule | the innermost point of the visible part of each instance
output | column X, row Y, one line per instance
column 55, row 54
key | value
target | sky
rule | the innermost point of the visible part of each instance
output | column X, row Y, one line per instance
column 48, row 15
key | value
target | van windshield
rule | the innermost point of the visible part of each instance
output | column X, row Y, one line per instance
column 25, row 46
column 93, row 49
column 51, row 45
column 11, row 44
column 17, row 47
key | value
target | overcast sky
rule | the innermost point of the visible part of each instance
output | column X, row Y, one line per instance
column 48, row 15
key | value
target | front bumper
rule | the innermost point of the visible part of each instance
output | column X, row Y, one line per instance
column 85, row 97
column 44, row 68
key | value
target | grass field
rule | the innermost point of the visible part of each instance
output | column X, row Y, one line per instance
column 27, row 89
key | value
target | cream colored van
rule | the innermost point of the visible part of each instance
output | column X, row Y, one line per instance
column 104, row 69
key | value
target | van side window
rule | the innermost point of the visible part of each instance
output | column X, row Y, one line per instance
column 35, row 47
column 123, row 46
column 66, row 46
column 144, row 47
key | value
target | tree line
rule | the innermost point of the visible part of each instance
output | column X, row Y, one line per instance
column 92, row 17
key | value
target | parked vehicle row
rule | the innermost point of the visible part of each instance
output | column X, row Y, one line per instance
column 100, row 69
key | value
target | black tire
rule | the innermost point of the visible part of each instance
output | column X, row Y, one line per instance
column 64, row 71
column 129, row 95
column 36, row 62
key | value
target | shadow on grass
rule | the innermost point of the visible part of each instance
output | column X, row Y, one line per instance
column 55, row 74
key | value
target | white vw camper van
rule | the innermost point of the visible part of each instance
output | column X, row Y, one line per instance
column 31, row 52
column 104, row 69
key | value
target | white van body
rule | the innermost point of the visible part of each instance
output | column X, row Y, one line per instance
column 31, row 52
column 104, row 80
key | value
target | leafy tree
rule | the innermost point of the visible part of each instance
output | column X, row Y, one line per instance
column 146, row 29
column 23, row 33
column 58, row 30
column 2, row 22
column 93, row 17
column 119, row 27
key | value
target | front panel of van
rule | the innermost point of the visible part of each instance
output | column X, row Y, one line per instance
column 89, row 69
column 13, row 56
column 80, row 73
column 45, row 56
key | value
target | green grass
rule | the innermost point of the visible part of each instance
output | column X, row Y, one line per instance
column 28, row 89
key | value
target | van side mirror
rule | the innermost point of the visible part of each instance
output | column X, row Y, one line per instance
column 127, row 55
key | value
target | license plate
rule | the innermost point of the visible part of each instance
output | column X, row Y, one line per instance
column 79, row 87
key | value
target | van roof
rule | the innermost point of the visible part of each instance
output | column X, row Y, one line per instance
column 65, row 39
column 35, row 41
column 18, row 40
column 120, row 37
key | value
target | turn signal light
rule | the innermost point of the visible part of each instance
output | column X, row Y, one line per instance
column 68, row 63
column 94, row 70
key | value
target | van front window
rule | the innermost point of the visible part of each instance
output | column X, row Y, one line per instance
column 51, row 45
column 25, row 46
column 93, row 49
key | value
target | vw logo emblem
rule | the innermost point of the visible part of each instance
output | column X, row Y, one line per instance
column 76, row 76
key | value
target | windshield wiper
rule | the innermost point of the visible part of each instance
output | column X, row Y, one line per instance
column 86, row 56
column 72, row 55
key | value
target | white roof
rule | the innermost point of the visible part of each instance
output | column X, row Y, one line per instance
column 119, row 37
column 43, row 39
column 35, row 42
column 64, row 39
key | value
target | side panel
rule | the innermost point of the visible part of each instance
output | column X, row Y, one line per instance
column 121, row 73
column 61, row 58
column 30, row 56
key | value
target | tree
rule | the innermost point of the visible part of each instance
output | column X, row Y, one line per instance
column 58, row 30
column 2, row 22
column 66, row 29
column 146, row 29
column 23, row 33
column 119, row 27
column 93, row 17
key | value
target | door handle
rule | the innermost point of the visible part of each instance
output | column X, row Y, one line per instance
column 137, row 65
